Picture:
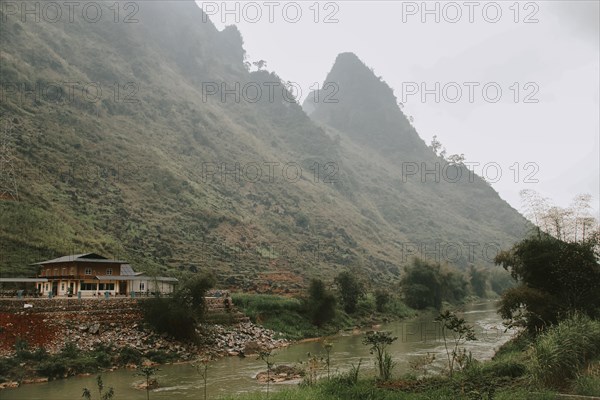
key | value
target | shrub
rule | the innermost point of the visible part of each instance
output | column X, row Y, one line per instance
column 159, row 356
column 321, row 303
column 178, row 315
column 351, row 289
column 555, row 278
column 560, row 352
column 382, row 298
column 427, row 284
column 378, row 342
column 511, row 369
column 52, row 368
column 130, row 355
column 587, row 385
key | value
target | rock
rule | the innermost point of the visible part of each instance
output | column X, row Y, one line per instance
column 94, row 329
column 10, row 385
column 152, row 384
column 35, row 380
column 281, row 373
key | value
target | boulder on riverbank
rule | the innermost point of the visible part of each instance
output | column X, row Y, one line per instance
column 280, row 373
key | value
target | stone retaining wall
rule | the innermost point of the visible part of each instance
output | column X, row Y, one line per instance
column 215, row 305
column 67, row 304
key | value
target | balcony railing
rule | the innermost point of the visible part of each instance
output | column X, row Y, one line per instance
column 74, row 277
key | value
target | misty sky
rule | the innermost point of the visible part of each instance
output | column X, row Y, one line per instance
column 551, row 53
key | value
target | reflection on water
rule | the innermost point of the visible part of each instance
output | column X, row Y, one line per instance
column 232, row 375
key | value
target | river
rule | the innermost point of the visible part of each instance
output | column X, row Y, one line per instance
column 233, row 375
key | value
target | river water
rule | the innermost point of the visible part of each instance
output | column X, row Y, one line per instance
column 233, row 375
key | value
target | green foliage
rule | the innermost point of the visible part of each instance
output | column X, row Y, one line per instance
column 382, row 299
column 191, row 294
column 478, row 280
column 147, row 371
column 350, row 378
column 160, row 356
column 564, row 349
column 265, row 356
column 109, row 394
column 500, row 281
column 351, row 290
column 159, row 210
column 427, row 284
column 321, row 303
column 165, row 315
column 421, row 285
column 290, row 316
column 71, row 361
column 179, row 314
column 378, row 342
column 129, row 355
column 555, row 278
column 460, row 331
column 587, row 385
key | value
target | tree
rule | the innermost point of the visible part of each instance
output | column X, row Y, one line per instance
column 435, row 145
column 478, row 280
column 378, row 342
column 421, row 285
column 460, row 331
column 456, row 159
column 382, row 298
column 350, row 290
column 321, row 303
column 555, row 277
column 265, row 356
column 147, row 371
column 179, row 314
column 571, row 224
column 192, row 293
column 260, row 64
column 201, row 366
column 103, row 396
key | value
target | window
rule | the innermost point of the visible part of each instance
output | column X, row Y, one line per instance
column 43, row 272
column 55, row 271
column 141, row 285
column 106, row 286
column 64, row 272
column 108, row 271
column 62, row 287
column 88, row 271
column 88, row 286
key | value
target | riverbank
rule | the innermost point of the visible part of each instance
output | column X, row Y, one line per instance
column 229, row 376
column 41, row 346
column 288, row 315
column 563, row 362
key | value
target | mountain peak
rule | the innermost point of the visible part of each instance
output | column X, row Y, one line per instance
column 355, row 100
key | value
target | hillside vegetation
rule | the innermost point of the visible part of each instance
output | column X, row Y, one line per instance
column 139, row 171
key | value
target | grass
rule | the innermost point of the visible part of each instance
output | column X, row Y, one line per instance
column 564, row 349
column 288, row 316
column 368, row 389
column 71, row 361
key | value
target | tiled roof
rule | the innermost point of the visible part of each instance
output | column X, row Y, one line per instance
column 85, row 257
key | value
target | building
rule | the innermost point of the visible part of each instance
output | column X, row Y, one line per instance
column 91, row 274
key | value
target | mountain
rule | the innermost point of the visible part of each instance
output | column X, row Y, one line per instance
column 122, row 140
